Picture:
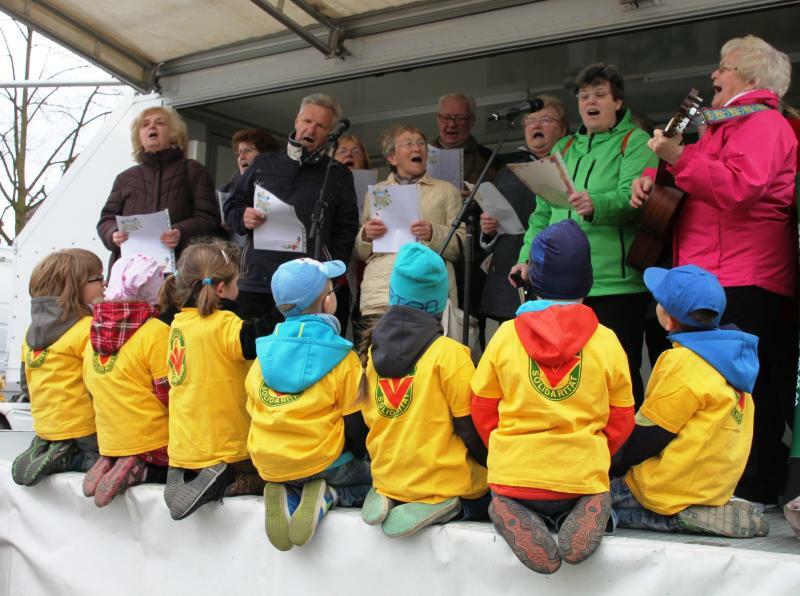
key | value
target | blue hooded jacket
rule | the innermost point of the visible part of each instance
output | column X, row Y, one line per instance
column 733, row 353
column 300, row 351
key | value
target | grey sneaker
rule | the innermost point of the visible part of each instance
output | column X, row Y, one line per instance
column 184, row 498
column 732, row 520
column 40, row 459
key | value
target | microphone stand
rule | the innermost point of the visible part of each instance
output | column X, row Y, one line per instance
column 318, row 217
column 468, row 257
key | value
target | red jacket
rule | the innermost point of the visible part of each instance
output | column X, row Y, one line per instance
column 738, row 220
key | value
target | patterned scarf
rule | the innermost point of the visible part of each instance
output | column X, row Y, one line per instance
column 114, row 323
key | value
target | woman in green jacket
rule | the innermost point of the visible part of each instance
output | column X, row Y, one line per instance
column 603, row 157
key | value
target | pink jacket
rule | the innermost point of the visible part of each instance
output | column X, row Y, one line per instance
column 737, row 220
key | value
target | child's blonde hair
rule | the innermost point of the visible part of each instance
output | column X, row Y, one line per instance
column 200, row 268
column 63, row 274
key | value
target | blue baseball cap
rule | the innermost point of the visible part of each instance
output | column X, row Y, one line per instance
column 685, row 289
column 301, row 281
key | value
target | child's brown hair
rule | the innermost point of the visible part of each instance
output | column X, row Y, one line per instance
column 200, row 268
column 63, row 274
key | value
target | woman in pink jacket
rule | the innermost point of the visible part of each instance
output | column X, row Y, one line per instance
column 738, row 222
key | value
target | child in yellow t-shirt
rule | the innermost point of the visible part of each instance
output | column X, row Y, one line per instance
column 553, row 401
column 125, row 370
column 428, row 462
column 302, row 395
column 694, row 430
column 209, row 353
column 63, row 286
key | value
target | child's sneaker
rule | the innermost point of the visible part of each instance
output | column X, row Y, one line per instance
column 280, row 502
column 792, row 512
column 184, row 498
column 315, row 501
column 526, row 534
column 732, row 520
column 376, row 507
column 407, row 518
column 583, row 529
column 127, row 471
column 40, row 459
column 95, row 474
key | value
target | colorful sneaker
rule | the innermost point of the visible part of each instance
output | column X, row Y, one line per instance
column 376, row 507
column 315, row 501
column 583, row 529
column 184, row 498
column 40, row 459
column 280, row 502
column 95, row 474
column 408, row 518
column 127, row 471
column 732, row 520
column 526, row 534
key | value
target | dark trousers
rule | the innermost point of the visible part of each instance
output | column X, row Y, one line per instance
column 625, row 315
column 773, row 318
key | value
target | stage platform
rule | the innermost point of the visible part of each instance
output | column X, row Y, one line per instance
column 54, row 541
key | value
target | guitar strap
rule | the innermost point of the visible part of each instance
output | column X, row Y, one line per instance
column 716, row 115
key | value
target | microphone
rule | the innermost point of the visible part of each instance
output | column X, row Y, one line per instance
column 533, row 105
column 338, row 130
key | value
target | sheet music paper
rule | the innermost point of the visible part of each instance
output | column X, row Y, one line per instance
column 446, row 164
column 282, row 231
column 497, row 206
column 362, row 179
column 144, row 237
column 547, row 178
column 396, row 206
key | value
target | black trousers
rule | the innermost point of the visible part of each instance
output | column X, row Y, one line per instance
column 625, row 315
column 773, row 318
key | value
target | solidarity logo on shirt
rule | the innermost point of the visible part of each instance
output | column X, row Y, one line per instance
column 393, row 396
column 177, row 358
column 556, row 383
column 103, row 363
column 737, row 413
column 35, row 358
column 275, row 399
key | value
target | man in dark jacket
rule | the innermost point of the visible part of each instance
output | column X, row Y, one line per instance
column 295, row 176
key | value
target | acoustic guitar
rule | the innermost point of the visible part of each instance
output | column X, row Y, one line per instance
column 659, row 212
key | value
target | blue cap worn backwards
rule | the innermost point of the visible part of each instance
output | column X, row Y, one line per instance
column 561, row 262
column 419, row 279
column 301, row 281
column 685, row 289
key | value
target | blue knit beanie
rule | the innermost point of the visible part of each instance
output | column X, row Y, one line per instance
column 561, row 262
column 419, row 279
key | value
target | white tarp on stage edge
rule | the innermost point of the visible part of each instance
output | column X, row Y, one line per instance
column 54, row 541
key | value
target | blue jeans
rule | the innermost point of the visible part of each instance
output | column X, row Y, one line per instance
column 351, row 481
column 629, row 513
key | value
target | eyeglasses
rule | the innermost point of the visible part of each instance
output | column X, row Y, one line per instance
column 410, row 144
column 542, row 120
column 458, row 119
column 99, row 278
column 723, row 67
column 354, row 152
column 587, row 95
column 245, row 151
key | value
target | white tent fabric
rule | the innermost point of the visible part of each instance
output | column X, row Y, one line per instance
column 54, row 541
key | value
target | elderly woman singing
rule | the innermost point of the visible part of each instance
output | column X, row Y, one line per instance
column 738, row 222
column 163, row 179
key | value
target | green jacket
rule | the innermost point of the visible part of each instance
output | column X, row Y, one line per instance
column 598, row 165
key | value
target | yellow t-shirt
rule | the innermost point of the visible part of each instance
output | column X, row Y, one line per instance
column 550, row 433
column 294, row 435
column 714, row 427
column 208, row 419
column 130, row 419
column 416, row 455
column 60, row 403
